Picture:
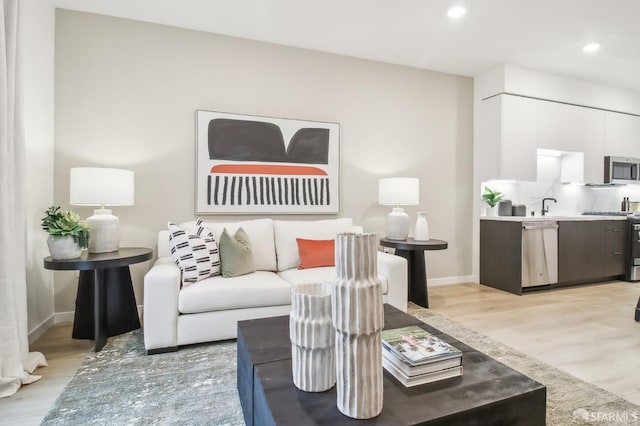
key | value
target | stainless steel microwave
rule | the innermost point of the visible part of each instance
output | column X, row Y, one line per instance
column 621, row 170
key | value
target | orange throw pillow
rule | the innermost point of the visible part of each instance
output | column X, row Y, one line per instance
column 316, row 253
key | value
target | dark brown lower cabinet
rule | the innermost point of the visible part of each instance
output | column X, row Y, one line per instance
column 616, row 240
column 590, row 250
column 501, row 255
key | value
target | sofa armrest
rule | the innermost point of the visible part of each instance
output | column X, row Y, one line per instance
column 395, row 269
column 161, row 288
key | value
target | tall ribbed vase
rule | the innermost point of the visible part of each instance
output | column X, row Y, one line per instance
column 358, row 319
column 312, row 338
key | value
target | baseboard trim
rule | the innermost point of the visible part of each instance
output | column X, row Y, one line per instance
column 452, row 280
column 64, row 317
column 41, row 328
column 58, row 318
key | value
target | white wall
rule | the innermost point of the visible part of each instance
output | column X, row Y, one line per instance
column 38, row 21
column 126, row 94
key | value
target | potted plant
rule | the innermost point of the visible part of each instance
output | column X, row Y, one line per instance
column 492, row 198
column 68, row 235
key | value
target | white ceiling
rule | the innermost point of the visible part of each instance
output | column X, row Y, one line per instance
column 544, row 35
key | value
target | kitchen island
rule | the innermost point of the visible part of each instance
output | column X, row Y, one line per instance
column 571, row 250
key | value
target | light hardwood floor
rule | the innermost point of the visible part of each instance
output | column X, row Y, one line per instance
column 32, row 402
column 587, row 331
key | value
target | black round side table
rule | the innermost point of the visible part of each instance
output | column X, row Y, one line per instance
column 105, row 302
column 413, row 251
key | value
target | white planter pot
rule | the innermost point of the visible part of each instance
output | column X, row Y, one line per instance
column 63, row 247
column 491, row 211
column 313, row 360
column 358, row 319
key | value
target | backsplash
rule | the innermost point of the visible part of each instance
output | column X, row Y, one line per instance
column 572, row 199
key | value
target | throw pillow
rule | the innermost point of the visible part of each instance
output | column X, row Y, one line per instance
column 194, row 251
column 235, row 254
column 316, row 253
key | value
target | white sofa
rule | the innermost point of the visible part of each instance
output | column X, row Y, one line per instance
column 210, row 309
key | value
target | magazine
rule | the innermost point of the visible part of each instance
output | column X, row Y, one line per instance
column 421, row 379
column 409, row 370
column 417, row 346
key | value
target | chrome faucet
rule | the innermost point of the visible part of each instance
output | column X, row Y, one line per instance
column 545, row 210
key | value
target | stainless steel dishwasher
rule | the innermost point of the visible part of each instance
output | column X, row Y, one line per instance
column 539, row 253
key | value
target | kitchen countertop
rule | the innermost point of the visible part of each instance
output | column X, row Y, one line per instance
column 552, row 217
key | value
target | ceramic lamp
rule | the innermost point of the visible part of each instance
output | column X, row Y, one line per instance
column 397, row 192
column 100, row 186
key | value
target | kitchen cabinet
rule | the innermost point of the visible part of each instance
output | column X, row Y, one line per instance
column 501, row 255
column 592, row 136
column 507, row 138
column 574, row 128
column 615, row 239
column 559, row 126
column 591, row 250
column 588, row 251
column 579, row 250
column 622, row 135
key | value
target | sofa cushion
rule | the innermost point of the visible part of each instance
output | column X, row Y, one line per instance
column 325, row 274
column 195, row 251
column 316, row 253
column 260, row 288
column 235, row 254
column 260, row 233
column 286, row 232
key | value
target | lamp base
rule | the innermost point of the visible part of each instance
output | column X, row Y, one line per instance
column 105, row 231
column 397, row 224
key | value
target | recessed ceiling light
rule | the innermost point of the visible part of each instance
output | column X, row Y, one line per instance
column 590, row 47
column 456, row 12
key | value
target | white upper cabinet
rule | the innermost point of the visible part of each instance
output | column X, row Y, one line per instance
column 559, row 126
column 507, row 138
column 592, row 137
column 622, row 135
column 574, row 128
column 519, row 138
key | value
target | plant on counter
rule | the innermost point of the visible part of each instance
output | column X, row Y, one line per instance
column 65, row 224
column 491, row 197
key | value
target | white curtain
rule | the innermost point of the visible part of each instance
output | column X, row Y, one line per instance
column 16, row 363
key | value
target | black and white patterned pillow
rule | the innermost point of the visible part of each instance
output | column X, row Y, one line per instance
column 195, row 252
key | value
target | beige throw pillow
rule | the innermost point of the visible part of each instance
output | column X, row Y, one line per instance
column 236, row 257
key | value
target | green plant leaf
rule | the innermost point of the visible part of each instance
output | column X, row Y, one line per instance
column 491, row 197
column 66, row 223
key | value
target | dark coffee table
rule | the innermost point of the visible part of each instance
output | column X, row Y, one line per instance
column 488, row 393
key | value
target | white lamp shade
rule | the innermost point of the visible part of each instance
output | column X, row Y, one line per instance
column 95, row 186
column 399, row 191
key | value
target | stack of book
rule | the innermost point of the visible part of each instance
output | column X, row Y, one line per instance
column 415, row 357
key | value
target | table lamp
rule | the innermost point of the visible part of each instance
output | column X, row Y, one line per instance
column 398, row 192
column 101, row 186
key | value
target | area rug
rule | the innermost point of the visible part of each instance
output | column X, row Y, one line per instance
column 197, row 385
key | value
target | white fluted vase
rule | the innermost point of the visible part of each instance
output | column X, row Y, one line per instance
column 358, row 319
column 421, row 232
column 312, row 338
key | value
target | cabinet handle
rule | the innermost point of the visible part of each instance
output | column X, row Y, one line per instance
column 617, row 253
column 617, row 230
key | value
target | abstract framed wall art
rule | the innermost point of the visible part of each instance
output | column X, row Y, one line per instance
column 253, row 164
